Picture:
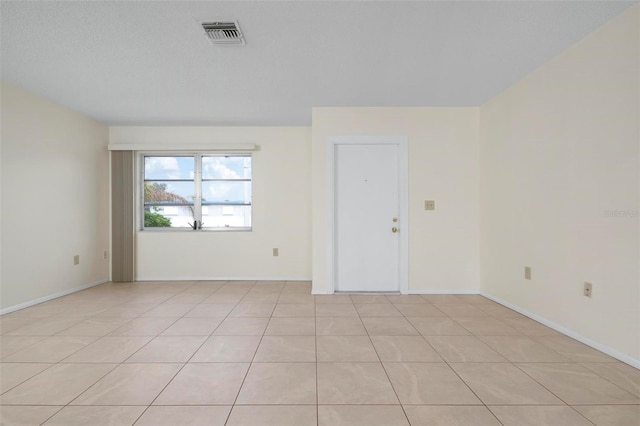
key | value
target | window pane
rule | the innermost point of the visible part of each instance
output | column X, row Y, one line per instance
column 226, row 167
column 174, row 192
column 168, row 192
column 168, row 168
column 168, row 216
column 226, row 216
column 226, row 192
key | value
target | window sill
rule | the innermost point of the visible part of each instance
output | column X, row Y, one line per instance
column 192, row 231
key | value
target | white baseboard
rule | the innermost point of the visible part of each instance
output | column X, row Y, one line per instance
column 223, row 279
column 602, row 348
column 414, row 291
column 51, row 296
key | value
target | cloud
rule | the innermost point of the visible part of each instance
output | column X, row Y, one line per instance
column 213, row 167
column 216, row 167
column 226, row 168
column 221, row 192
column 161, row 168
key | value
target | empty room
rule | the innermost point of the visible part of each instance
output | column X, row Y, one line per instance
column 292, row 213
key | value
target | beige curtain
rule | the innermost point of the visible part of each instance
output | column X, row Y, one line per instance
column 122, row 216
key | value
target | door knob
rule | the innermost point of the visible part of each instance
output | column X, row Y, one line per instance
column 395, row 219
column 394, row 229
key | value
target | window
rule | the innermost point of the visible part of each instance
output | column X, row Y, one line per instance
column 196, row 191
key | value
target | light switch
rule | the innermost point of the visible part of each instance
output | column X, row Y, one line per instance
column 429, row 205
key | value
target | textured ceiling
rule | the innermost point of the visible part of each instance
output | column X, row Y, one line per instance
column 148, row 62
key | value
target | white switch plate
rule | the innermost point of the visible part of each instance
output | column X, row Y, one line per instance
column 276, row 251
column 527, row 272
column 76, row 259
column 429, row 205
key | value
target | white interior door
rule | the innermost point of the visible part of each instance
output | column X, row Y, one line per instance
column 366, row 204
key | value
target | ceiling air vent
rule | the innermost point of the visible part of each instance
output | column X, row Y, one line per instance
column 223, row 32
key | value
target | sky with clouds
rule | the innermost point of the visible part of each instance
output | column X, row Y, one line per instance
column 171, row 168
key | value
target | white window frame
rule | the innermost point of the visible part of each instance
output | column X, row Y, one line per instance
column 197, row 179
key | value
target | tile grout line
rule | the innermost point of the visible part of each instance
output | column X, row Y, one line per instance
column 59, row 362
column 183, row 365
column 524, row 372
column 235, row 400
column 123, row 361
column 181, row 292
column 455, row 372
column 378, row 355
column 606, row 378
column 549, row 390
column 246, row 292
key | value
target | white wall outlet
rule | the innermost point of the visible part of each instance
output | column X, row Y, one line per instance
column 588, row 288
column 275, row 251
column 105, row 255
column 76, row 259
column 527, row 272
column 429, row 205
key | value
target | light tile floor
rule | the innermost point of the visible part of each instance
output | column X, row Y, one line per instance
column 270, row 353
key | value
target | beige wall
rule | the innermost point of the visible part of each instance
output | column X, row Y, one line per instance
column 281, row 210
column 443, row 166
column 559, row 152
column 54, row 198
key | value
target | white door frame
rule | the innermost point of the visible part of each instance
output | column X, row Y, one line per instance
column 403, row 191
